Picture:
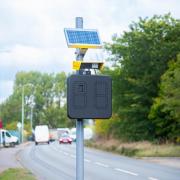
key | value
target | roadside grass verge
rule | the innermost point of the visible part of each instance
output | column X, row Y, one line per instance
column 17, row 174
column 136, row 149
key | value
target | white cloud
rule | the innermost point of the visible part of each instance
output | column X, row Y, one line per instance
column 160, row 7
column 27, row 57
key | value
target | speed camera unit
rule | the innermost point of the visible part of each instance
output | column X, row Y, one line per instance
column 89, row 97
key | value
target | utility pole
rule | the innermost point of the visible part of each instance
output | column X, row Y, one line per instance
column 31, row 118
column 22, row 116
column 79, row 122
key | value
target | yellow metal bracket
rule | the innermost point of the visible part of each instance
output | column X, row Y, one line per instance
column 77, row 65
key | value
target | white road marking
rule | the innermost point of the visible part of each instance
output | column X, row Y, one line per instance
column 101, row 164
column 152, row 178
column 87, row 160
column 127, row 172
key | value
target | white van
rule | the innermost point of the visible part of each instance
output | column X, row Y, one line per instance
column 41, row 134
column 6, row 139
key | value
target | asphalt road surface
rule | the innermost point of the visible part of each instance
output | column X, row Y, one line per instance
column 58, row 162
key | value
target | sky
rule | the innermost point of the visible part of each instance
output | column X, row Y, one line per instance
column 32, row 31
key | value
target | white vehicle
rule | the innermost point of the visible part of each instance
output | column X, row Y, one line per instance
column 41, row 134
column 72, row 134
column 6, row 139
column 61, row 131
column 88, row 134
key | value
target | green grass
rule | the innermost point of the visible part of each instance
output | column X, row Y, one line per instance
column 160, row 151
column 136, row 149
column 17, row 174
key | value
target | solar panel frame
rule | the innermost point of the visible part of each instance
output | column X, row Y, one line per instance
column 82, row 38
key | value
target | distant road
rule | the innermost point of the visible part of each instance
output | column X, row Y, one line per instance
column 57, row 162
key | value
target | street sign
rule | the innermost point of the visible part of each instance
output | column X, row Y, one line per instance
column 19, row 125
column 89, row 97
column 82, row 38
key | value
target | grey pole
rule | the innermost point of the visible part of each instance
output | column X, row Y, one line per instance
column 22, row 127
column 79, row 124
column 31, row 118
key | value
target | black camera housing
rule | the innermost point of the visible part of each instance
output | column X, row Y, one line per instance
column 89, row 97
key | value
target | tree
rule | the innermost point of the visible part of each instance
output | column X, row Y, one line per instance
column 60, row 88
column 140, row 57
column 165, row 112
column 10, row 110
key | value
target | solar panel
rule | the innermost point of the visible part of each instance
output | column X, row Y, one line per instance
column 82, row 38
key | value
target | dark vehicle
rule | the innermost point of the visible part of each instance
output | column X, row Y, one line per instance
column 65, row 139
column 31, row 137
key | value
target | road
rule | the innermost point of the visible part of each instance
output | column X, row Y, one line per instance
column 57, row 162
column 8, row 157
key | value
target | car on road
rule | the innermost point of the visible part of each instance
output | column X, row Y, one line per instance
column 7, row 139
column 41, row 134
column 65, row 138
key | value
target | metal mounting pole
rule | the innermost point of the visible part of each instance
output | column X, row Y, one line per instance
column 79, row 123
column 31, row 119
column 79, row 150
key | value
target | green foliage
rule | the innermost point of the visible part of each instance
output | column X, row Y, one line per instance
column 9, row 110
column 106, row 128
column 165, row 112
column 27, row 127
column 56, row 117
column 102, row 127
column 11, row 126
column 140, row 57
column 17, row 174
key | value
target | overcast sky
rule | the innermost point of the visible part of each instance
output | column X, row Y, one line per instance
column 32, row 37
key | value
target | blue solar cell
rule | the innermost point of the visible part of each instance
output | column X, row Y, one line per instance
column 83, row 37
